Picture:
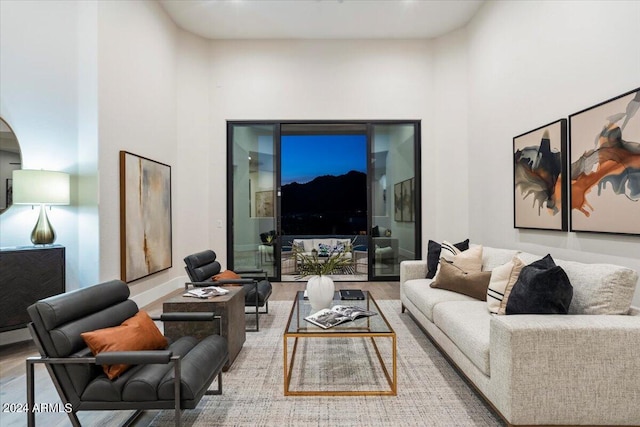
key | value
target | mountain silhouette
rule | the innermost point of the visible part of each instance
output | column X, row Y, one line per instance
column 328, row 204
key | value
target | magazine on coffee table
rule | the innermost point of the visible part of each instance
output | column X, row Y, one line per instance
column 330, row 317
column 208, row 292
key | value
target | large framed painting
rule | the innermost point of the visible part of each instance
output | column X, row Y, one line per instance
column 145, row 217
column 539, row 171
column 604, row 146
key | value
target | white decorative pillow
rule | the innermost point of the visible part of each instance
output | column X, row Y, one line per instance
column 502, row 280
column 469, row 260
column 448, row 251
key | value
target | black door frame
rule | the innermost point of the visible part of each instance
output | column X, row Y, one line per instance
column 369, row 126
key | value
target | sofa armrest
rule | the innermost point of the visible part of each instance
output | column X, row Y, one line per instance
column 412, row 269
column 566, row 369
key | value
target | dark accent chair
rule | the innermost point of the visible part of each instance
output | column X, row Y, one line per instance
column 202, row 266
column 175, row 378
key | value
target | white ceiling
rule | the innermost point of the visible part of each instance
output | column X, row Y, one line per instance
column 321, row 19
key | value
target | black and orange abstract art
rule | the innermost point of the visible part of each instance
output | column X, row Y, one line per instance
column 605, row 166
column 539, row 170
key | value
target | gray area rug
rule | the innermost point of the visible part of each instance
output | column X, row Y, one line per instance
column 430, row 392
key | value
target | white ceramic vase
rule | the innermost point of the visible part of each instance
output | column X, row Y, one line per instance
column 320, row 291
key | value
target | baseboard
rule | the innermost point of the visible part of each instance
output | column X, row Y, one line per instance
column 157, row 292
column 12, row 337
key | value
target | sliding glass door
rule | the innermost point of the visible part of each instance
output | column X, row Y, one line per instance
column 395, row 201
column 262, row 226
column 251, row 201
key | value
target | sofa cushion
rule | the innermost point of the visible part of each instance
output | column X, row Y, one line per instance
column 425, row 298
column 467, row 324
column 600, row 288
column 433, row 255
column 542, row 288
column 502, row 280
column 453, row 278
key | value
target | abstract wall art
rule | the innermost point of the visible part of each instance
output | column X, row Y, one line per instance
column 145, row 217
column 264, row 204
column 604, row 153
column 539, row 171
column 397, row 202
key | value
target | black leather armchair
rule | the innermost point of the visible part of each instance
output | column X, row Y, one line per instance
column 175, row 378
column 202, row 266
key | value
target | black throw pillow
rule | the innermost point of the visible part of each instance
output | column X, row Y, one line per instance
column 433, row 255
column 375, row 231
column 542, row 288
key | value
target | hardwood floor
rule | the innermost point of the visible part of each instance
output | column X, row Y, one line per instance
column 12, row 366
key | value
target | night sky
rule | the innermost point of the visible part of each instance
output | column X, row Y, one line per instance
column 305, row 157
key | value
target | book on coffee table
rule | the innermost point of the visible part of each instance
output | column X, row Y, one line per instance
column 330, row 317
column 207, row 292
column 351, row 294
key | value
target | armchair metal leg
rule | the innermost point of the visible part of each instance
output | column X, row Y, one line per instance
column 176, row 391
column 219, row 390
column 132, row 419
column 31, row 415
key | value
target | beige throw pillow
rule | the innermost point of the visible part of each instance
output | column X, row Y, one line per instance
column 469, row 261
column 502, row 280
column 452, row 278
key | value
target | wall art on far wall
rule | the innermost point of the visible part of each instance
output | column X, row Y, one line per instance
column 264, row 204
column 539, row 171
column 145, row 217
column 604, row 148
column 404, row 194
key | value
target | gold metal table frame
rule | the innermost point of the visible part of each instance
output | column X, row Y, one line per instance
column 374, row 327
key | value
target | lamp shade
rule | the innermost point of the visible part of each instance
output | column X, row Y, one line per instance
column 35, row 187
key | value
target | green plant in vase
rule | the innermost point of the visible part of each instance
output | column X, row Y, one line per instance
column 320, row 287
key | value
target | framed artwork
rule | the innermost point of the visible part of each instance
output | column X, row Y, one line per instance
column 397, row 202
column 539, row 174
column 407, row 201
column 604, row 149
column 264, row 203
column 145, row 217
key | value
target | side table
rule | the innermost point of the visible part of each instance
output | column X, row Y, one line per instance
column 229, row 306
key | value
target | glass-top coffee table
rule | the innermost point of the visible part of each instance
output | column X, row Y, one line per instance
column 372, row 328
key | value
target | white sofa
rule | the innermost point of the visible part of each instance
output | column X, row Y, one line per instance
column 577, row 369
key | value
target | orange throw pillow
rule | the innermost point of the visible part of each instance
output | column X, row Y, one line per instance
column 134, row 334
column 227, row 274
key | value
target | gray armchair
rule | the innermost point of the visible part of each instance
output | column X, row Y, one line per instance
column 202, row 266
column 174, row 378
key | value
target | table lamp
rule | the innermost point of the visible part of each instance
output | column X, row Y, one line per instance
column 40, row 187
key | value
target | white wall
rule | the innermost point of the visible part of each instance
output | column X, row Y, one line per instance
column 316, row 80
column 40, row 61
column 531, row 63
column 447, row 167
column 39, row 98
column 137, row 99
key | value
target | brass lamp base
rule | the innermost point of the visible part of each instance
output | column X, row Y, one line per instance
column 43, row 233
